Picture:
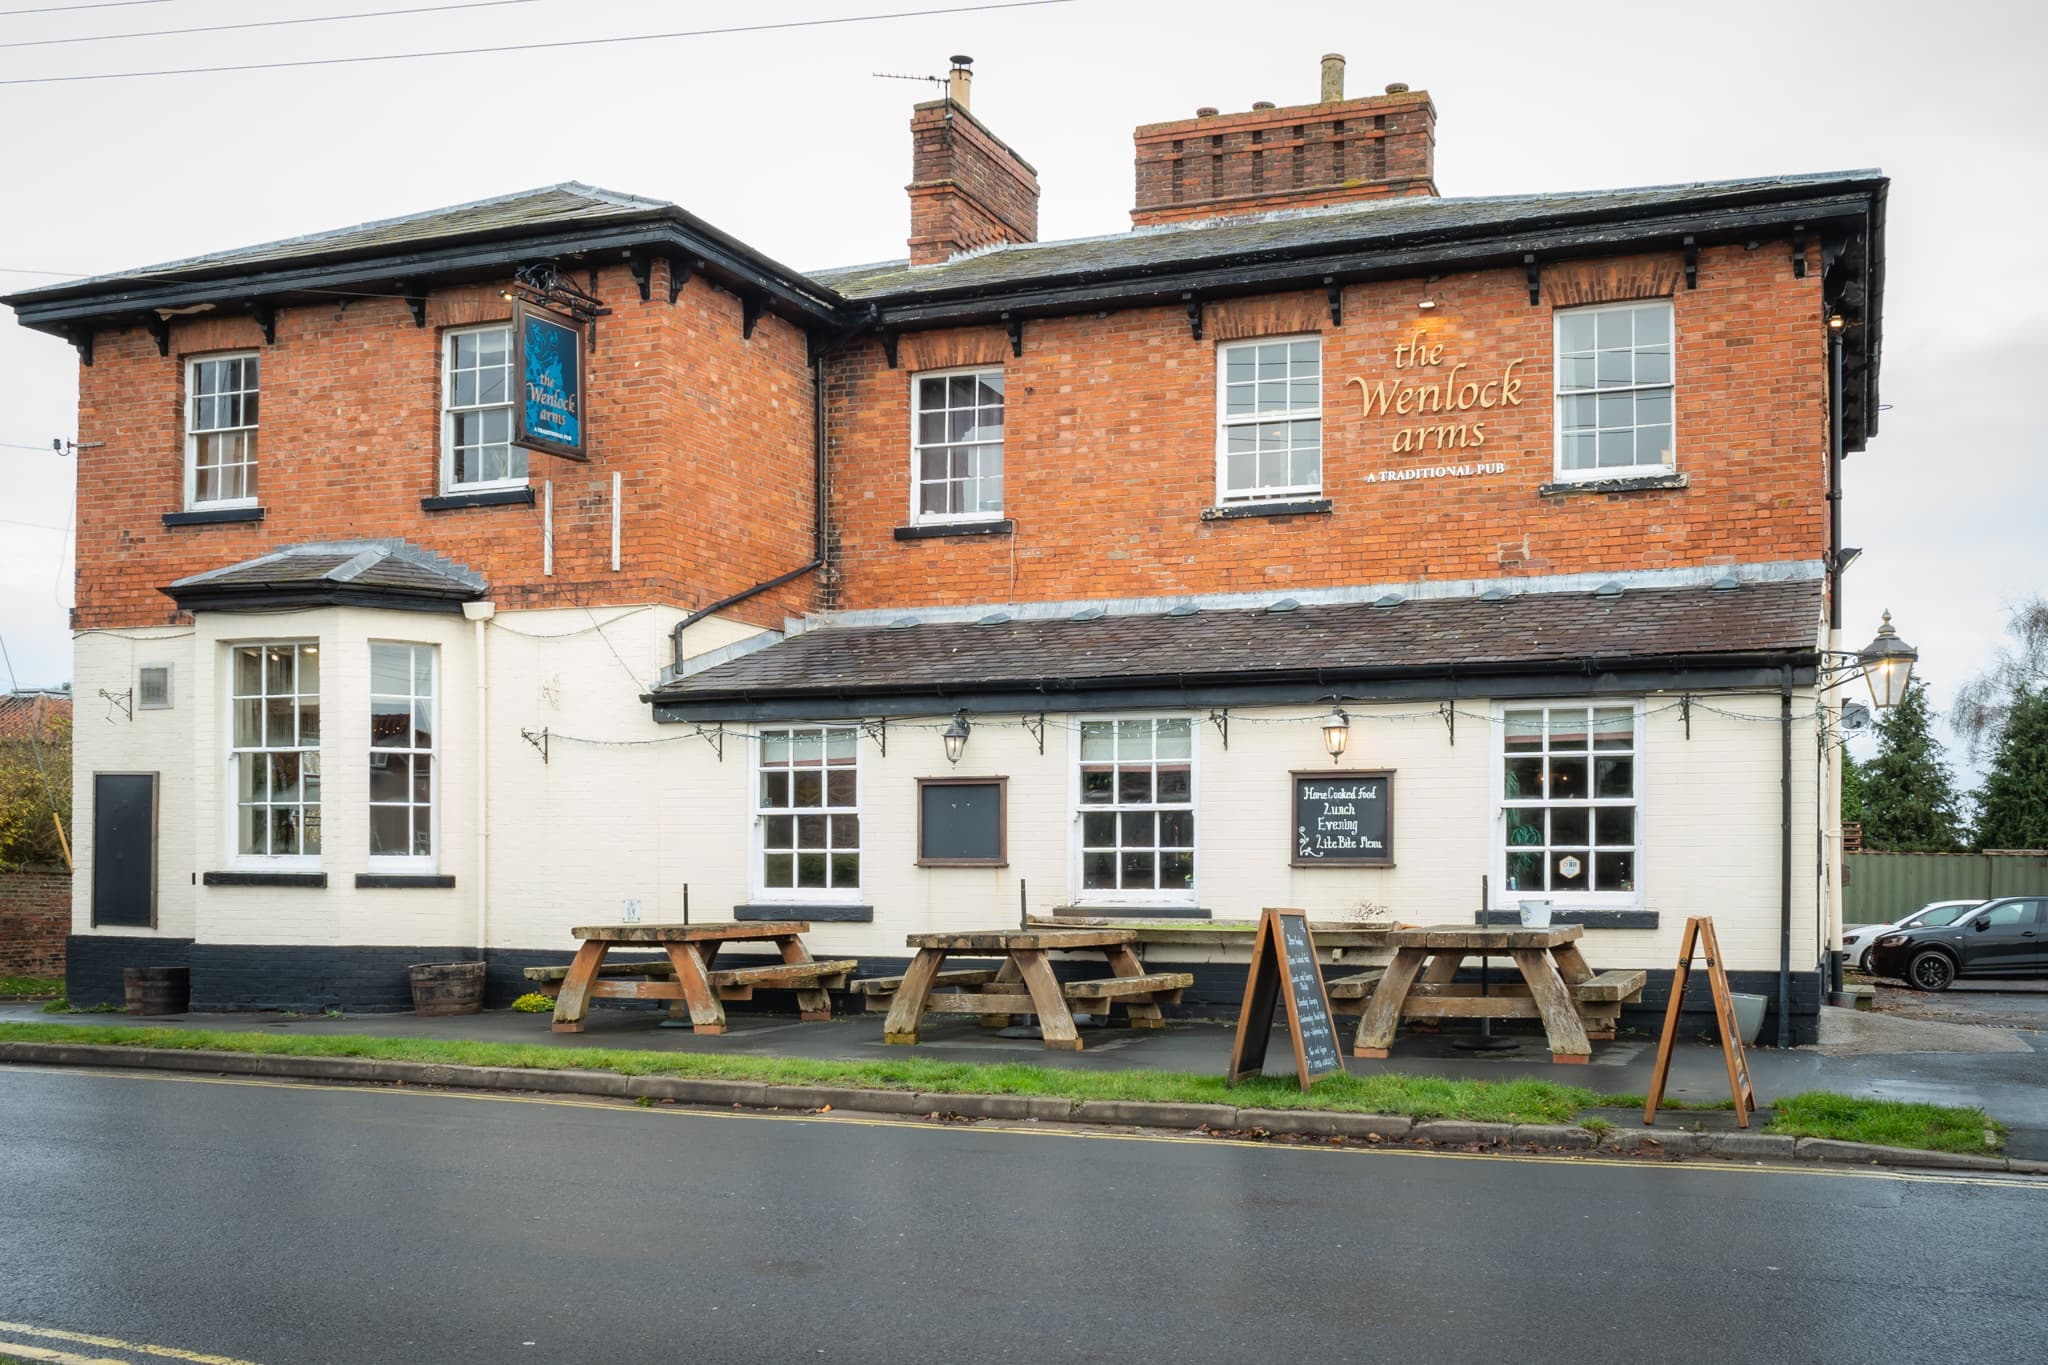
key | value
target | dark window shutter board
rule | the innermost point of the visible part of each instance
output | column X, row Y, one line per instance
column 124, row 849
column 961, row 821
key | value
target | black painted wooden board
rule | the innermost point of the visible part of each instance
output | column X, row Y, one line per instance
column 962, row 821
column 1343, row 819
column 1284, row 967
column 124, row 849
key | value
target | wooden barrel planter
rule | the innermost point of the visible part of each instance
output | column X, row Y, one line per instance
column 157, row 990
column 447, row 987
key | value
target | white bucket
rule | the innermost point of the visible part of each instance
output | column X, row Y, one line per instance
column 1535, row 914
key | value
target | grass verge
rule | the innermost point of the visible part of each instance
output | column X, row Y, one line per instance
column 1891, row 1123
column 31, row 987
column 1416, row 1096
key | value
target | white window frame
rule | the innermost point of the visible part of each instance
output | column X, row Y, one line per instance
column 170, row 700
column 269, row 862
column 428, row 862
column 758, row 819
column 1078, row 894
column 193, row 435
column 1287, row 492
column 1559, row 394
column 1503, row 898
column 449, row 411
column 919, row 517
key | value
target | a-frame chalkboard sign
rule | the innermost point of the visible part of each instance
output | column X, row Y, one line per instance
column 1699, row 936
column 1284, row 967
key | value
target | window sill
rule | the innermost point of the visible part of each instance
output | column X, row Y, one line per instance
column 1293, row 507
column 939, row 530
column 823, row 912
column 487, row 497
column 1134, row 911
column 313, row 879
column 1634, row 483
column 403, row 881
column 210, row 516
column 1588, row 919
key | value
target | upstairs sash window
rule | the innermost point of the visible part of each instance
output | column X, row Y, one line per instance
column 956, row 446
column 220, row 431
column 1614, row 391
column 476, row 419
column 1270, row 419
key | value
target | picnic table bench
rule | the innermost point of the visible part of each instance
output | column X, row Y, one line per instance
column 686, row 976
column 1575, row 1003
column 1023, row 984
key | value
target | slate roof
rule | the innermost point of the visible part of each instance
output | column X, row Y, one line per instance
column 1534, row 631
column 1371, row 223
column 546, row 207
column 368, row 572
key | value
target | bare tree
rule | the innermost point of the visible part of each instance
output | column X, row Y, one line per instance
column 1984, row 703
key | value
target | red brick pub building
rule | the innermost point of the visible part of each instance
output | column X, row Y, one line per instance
column 1529, row 498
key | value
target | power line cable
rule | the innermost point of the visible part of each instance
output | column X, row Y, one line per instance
column 262, row 23
column 66, row 9
column 556, row 45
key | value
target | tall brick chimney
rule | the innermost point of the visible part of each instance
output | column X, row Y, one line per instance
column 1334, row 151
column 967, row 187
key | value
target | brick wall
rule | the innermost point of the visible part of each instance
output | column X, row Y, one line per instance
column 711, row 433
column 35, row 917
column 1110, row 445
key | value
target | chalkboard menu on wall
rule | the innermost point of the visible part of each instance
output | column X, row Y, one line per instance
column 1343, row 819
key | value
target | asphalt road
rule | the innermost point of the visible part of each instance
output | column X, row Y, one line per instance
column 287, row 1224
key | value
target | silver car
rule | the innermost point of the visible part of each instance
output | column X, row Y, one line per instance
column 1856, row 941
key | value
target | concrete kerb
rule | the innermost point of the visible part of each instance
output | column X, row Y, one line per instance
column 1221, row 1118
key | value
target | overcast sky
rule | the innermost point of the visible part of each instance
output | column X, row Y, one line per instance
column 788, row 140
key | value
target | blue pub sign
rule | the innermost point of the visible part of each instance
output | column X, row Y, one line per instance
column 548, row 358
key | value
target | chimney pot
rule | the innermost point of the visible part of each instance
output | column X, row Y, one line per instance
column 959, row 79
column 1333, row 77
column 1259, row 106
column 1398, row 88
column 1206, row 111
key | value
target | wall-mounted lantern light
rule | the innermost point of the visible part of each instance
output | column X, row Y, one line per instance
column 956, row 736
column 1888, row 665
column 1336, row 733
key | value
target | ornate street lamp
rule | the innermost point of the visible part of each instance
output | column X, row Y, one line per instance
column 1888, row 665
column 1336, row 733
column 956, row 736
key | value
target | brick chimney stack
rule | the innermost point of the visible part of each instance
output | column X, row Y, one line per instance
column 967, row 187
column 1335, row 151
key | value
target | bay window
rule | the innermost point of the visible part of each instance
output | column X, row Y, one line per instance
column 402, row 767
column 275, row 755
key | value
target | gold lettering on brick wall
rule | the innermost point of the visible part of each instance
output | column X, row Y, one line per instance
column 1449, row 389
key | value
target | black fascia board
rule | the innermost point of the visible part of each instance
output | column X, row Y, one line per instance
column 1633, row 674
column 122, row 302
column 1195, row 696
column 245, row 597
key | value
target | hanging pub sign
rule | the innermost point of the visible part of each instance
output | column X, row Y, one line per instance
column 547, row 357
column 1343, row 819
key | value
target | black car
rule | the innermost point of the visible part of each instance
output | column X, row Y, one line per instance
column 2006, row 937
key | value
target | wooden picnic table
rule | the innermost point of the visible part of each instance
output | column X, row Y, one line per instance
column 1024, row 984
column 688, row 978
column 1557, row 986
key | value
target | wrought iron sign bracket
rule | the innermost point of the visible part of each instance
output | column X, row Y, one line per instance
column 545, row 286
column 1692, row 262
column 160, row 329
column 1535, row 277
column 1450, row 715
column 539, row 741
column 1685, row 713
column 124, row 700
column 1194, row 314
column 1221, row 720
column 878, row 731
column 715, row 737
column 1036, row 728
column 1336, row 293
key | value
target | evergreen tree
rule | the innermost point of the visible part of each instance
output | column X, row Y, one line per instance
column 1852, row 789
column 2014, row 799
column 1909, row 795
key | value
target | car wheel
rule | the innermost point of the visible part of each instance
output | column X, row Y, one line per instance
column 1931, row 971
